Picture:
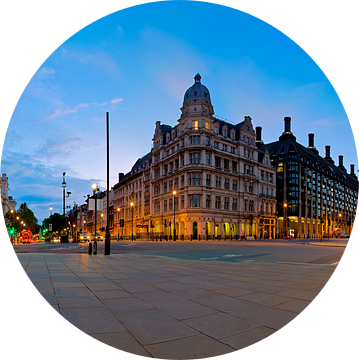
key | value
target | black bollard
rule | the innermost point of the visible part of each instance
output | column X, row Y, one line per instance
column 95, row 247
column 90, row 248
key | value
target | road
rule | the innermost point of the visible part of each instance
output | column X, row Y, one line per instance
column 295, row 251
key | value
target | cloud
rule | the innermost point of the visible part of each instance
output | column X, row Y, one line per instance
column 326, row 122
column 100, row 61
column 60, row 148
column 62, row 112
column 116, row 101
column 59, row 112
column 45, row 71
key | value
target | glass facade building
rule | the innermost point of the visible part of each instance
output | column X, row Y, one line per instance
column 315, row 197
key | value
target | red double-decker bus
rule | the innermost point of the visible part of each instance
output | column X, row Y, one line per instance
column 26, row 236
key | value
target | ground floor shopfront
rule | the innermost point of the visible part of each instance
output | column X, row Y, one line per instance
column 312, row 228
column 204, row 226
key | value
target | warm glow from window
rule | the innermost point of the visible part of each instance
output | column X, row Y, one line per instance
column 195, row 124
column 207, row 125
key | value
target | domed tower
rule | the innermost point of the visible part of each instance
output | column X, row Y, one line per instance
column 197, row 100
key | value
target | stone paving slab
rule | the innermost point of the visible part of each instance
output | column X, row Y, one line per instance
column 170, row 308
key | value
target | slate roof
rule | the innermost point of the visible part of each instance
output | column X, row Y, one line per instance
column 288, row 146
column 138, row 165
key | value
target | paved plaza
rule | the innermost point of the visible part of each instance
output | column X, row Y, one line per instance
column 174, row 308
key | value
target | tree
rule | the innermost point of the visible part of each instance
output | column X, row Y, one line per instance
column 57, row 220
column 26, row 215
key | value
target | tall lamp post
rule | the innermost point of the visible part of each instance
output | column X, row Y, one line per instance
column 50, row 210
column 108, row 235
column 132, row 220
column 63, row 189
column 95, row 190
column 64, row 197
column 174, row 192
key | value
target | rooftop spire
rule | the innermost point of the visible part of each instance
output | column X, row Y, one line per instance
column 197, row 78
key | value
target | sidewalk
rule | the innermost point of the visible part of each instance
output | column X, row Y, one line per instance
column 171, row 308
column 330, row 242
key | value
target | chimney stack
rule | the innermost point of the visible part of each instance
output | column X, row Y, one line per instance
column 327, row 152
column 287, row 134
column 340, row 161
column 287, row 121
column 311, row 146
column 352, row 172
column 259, row 134
column 327, row 155
column 311, row 141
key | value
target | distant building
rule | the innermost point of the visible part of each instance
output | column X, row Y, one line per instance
column 205, row 176
column 314, row 196
column 7, row 201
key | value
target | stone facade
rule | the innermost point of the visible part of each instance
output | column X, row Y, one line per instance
column 7, row 202
column 205, row 175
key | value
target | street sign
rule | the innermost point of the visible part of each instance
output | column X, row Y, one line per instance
column 50, row 227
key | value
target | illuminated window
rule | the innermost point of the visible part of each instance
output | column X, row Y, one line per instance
column 195, row 124
column 207, row 125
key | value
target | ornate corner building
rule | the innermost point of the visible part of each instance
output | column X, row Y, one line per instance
column 204, row 178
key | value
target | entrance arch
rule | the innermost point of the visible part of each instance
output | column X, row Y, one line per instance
column 217, row 230
column 226, row 229
column 208, row 229
column 234, row 230
column 194, row 230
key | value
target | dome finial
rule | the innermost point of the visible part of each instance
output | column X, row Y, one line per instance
column 197, row 78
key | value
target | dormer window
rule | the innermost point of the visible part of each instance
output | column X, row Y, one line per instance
column 195, row 93
column 224, row 132
column 232, row 135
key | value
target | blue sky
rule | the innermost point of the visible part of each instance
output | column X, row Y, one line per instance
column 138, row 67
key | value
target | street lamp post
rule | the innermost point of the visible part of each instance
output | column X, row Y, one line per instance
column 132, row 220
column 64, row 196
column 174, row 215
column 285, row 219
column 50, row 210
column 118, row 219
column 95, row 190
